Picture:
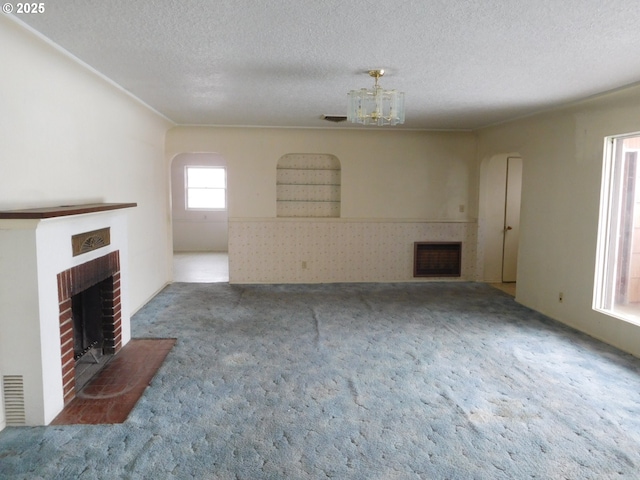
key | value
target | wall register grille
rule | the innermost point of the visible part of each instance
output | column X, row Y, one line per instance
column 437, row 259
column 13, row 387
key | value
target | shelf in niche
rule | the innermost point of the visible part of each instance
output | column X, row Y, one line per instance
column 309, row 184
column 308, row 192
column 309, row 201
column 314, row 168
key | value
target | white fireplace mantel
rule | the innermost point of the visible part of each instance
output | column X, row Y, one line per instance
column 35, row 246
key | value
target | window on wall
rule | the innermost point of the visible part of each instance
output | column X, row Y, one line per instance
column 206, row 188
column 617, row 282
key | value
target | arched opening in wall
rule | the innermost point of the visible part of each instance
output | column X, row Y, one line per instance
column 499, row 218
column 308, row 185
column 199, row 218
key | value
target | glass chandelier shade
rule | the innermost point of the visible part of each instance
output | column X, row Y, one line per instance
column 377, row 106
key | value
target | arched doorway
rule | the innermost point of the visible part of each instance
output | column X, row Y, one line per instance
column 199, row 218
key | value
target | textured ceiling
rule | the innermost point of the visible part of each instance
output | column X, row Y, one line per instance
column 462, row 64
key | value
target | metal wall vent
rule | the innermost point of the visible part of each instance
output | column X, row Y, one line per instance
column 334, row 118
column 437, row 259
column 13, row 387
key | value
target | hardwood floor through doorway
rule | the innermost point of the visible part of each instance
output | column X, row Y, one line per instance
column 201, row 267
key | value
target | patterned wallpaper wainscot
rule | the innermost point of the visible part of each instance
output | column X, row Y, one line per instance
column 284, row 250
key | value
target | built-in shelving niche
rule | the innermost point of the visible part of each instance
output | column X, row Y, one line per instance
column 308, row 185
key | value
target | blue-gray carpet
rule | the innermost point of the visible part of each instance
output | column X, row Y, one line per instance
column 357, row 381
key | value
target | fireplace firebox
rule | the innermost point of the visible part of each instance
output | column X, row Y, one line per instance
column 86, row 308
column 89, row 334
column 90, row 319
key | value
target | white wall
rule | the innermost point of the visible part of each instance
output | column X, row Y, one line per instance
column 193, row 230
column 386, row 176
column 69, row 137
column 562, row 154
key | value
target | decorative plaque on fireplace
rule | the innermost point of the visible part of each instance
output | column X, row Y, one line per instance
column 89, row 241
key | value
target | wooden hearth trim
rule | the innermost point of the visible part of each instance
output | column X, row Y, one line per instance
column 63, row 210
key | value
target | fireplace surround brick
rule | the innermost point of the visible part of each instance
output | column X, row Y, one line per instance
column 76, row 280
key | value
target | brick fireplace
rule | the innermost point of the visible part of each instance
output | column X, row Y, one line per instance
column 103, row 273
column 47, row 257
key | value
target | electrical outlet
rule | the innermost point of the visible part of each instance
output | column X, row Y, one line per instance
column 304, row 265
column 560, row 297
column 461, row 208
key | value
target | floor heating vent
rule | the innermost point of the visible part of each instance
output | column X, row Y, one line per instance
column 13, row 388
column 437, row 259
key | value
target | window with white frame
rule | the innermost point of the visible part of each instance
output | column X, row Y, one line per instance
column 617, row 281
column 205, row 188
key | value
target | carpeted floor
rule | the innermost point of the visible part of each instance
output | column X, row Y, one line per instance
column 358, row 381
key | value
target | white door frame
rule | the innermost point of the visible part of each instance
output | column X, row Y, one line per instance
column 511, row 226
column 491, row 216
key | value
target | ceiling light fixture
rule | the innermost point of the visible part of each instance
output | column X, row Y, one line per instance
column 377, row 106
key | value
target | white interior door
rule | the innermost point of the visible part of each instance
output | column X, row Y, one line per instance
column 512, row 219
